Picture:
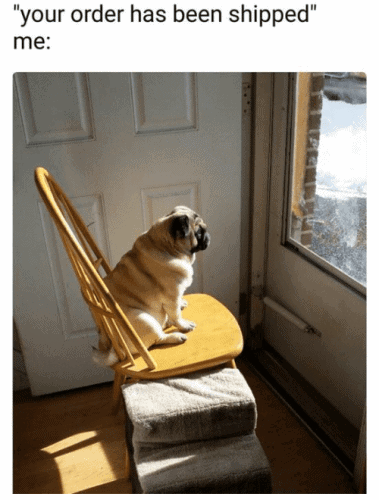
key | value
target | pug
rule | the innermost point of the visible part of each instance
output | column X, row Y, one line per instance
column 149, row 281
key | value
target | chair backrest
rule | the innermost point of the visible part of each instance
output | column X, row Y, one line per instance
column 87, row 259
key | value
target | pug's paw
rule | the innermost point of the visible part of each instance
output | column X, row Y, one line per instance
column 186, row 326
column 175, row 338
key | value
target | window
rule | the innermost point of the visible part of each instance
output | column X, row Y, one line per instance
column 328, row 178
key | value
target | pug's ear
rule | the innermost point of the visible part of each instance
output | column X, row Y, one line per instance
column 180, row 227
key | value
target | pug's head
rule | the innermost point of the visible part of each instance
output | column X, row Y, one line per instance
column 187, row 230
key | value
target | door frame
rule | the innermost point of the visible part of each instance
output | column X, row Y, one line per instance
column 262, row 122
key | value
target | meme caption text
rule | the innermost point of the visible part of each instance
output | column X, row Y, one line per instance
column 246, row 14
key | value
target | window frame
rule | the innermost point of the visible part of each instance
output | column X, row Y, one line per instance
column 286, row 240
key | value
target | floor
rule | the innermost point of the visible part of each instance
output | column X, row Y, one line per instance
column 299, row 462
column 71, row 443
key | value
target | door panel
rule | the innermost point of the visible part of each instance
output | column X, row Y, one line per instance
column 70, row 117
column 334, row 362
column 166, row 104
column 125, row 153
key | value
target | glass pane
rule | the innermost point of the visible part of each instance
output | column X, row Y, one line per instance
column 329, row 176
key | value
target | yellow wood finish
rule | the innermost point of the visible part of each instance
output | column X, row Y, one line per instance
column 301, row 141
column 216, row 340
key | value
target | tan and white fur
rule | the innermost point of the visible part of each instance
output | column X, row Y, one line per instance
column 149, row 281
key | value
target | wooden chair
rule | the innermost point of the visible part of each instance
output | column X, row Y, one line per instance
column 216, row 340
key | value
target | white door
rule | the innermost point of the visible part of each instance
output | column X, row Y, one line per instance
column 317, row 239
column 126, row 148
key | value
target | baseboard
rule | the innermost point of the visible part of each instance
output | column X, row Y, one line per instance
column 321, row 418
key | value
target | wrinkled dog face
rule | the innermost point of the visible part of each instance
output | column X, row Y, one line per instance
column 188, row 230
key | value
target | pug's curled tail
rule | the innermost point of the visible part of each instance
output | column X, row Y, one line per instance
column 105, row 359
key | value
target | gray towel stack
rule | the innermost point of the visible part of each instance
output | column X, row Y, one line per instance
column 195, row 433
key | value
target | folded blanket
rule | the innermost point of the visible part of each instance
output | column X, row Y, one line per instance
column 229, row 465
column 198, row 406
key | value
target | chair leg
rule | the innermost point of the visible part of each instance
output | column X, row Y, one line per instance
column 119, row 380
column 231, row 364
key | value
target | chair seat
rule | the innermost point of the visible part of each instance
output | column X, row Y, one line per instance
column 216, row 339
